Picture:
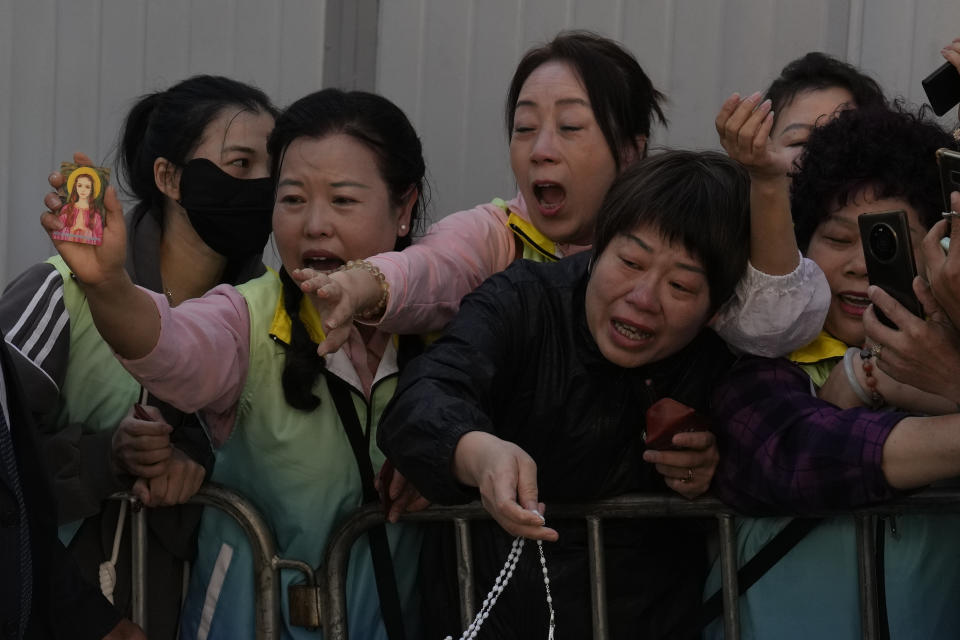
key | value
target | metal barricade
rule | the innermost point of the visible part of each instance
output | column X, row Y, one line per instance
column 627, row 506
column 265, row 560
column 332, row 582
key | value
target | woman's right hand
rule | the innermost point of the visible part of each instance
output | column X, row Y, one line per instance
column 943, row 268
column 142, row 447
column 93, row 266
column 743, row 125
column 507, row 478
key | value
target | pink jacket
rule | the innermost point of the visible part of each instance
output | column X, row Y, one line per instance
column 767, row 316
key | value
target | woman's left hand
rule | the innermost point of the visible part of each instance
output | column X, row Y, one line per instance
column 923, row 353
column 689, row 470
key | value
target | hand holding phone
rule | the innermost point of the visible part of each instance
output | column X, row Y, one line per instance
column 888, row 253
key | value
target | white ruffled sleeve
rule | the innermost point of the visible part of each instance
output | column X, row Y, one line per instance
column 772, row 316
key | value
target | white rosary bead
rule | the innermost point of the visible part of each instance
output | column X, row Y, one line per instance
column 501, row 583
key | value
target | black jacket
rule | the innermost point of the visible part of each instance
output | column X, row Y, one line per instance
column 63, row 605
column 519, row 361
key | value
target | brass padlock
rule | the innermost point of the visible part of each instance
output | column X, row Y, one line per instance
column 304, row 605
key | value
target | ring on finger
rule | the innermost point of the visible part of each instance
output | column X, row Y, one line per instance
column 876, row 350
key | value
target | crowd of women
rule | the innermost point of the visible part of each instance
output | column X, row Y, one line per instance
column 509, row 353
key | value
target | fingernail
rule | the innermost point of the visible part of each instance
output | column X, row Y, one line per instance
column 755, row 96
column 766, row 104
column 53, row 176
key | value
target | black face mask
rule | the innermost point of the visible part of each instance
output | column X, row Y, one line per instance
column 232, row 216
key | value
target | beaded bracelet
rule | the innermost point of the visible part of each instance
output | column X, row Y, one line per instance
column 876, row 398
column 378, row 309
column 852, row 376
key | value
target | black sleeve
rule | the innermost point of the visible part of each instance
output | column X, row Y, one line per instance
column 454, row 388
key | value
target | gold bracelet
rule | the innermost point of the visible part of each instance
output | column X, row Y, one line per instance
column 381, row 306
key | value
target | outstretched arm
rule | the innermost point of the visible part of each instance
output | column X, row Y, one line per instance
column 425, row 281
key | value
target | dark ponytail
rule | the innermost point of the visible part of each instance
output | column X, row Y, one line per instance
column 303, row 365
column 170, row 124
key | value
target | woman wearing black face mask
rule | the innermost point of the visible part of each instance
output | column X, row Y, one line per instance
column 194, row 157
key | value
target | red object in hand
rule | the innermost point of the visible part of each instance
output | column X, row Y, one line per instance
column 667, row 417
column 140, row 413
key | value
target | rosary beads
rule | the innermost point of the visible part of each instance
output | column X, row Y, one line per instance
column 501, row 583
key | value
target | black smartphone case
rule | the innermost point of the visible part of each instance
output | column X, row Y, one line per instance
column 942, row 88
column 895, row 276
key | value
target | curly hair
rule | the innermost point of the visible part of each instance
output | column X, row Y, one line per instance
column 890, row 150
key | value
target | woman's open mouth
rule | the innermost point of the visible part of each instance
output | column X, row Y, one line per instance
column 321, row 261
column 550, row 197
column 631, row 332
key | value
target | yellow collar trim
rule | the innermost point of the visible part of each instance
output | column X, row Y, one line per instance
column 530, row 235
column 823, row 347
column 281, row 326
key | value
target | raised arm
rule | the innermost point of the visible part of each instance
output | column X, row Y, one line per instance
column 781, row 302
column 744, row 129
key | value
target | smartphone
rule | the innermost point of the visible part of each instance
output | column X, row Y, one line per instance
column 943, row 88
column 949, row 162
column 888, row 253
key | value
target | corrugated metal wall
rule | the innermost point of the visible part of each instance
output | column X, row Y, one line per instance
column 69, row 69
column 448, row 63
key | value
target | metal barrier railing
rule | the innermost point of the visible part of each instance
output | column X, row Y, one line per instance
column 266, row 563
column 627, row 506
column 332, row 582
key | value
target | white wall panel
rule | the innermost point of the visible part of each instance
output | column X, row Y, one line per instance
column 448, row 63
column 6, row 126
column 71, row 69
column 32, row 116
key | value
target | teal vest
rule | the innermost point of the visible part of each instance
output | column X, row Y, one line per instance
column 299, row 471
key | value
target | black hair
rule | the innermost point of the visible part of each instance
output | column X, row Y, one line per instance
column 623, row 99
column 383, row 128
column 170, row 124
column 816, row 71
column 700, row 199
column 888, row 150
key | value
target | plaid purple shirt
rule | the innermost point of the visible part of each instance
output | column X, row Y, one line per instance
column 782, row 449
